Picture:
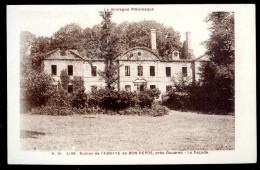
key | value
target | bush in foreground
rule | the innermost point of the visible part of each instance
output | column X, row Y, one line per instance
column 155, row 110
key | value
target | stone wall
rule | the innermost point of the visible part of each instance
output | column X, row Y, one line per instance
column 80, row 68
column 159, row 80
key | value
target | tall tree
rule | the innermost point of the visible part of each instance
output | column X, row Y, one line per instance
column 138, row 34
column 218, row 74
column 68, row 37
column 91, row 37
column 108, row 40
column 26, row 42
column 39, row 48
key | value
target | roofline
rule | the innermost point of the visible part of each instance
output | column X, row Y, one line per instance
column 50, row 52
column 63, row 59
column 143, row 48
column 82, row 59
column 183, row 60
column 139, row 60
column 71, row 51
column 76, row 54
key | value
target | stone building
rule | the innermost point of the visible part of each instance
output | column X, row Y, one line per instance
column 141, row 67
column 76, row 65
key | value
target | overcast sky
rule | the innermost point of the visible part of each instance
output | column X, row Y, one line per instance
column 45, row 20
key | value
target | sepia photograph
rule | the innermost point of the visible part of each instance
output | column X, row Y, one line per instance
column 124, row 84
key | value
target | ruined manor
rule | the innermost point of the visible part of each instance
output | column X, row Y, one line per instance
column 141, row 67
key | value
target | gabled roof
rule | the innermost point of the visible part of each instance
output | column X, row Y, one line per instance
column 69, row 55
column 75, row 52
column 156, row 56
column 52, row 51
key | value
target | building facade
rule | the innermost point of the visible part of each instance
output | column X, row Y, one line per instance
column 140, row 67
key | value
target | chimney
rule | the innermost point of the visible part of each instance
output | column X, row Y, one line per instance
column 153, row 39
column 188, row 52
column 188, row 40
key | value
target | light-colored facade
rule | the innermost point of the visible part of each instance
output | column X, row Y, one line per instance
column 140, row 67
column 75, row 65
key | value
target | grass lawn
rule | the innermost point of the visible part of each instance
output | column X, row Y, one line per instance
column 176, row 131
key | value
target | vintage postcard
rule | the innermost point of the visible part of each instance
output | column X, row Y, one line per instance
column 131, row 84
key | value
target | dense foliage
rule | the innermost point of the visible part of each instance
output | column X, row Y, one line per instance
column 37, row 89
column 218, row 75
column 64, row 79
column 215, row 91
column 103, row 101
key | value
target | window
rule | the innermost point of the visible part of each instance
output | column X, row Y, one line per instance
column 94, row 89
column 141, row 87
column 184, row 71
column 152, row 86
column 127, row 70
column 128, row 88
column 168, row 71
column 53, row 69
column 139, row 53
column 70, row 70
column 139, row 70
column 94, row 71
column 168, row 88
column 152, row 70
column 70, row 88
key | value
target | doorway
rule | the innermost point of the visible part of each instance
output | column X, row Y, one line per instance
column 141, row 87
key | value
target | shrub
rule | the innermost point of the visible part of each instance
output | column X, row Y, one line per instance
column 198, row 97
column 78, row 84
column 178, row 100
column 59, row 98
column 37, row 88
column 79, row 99
column 103, row 101
column 145, row 98
column 110, row 99
column 61, row 110
column 155, row 110
column 92, row 101
column 65, row 79
column 126, row 99
column 159, row 110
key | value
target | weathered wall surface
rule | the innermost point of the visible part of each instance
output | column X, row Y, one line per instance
column 80, row 68
column 133, row 58
column 160, row 79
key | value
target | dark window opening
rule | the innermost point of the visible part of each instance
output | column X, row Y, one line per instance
column 152, row 70
column 139, row 70
column 93, row 89
column 184, row 71
column 168, row 71
column 70, row 70
column 70, row 88
column 127, row 70
column 168, row 88
column 94, row 71
column 53, row 69
column 152, row 86
column 142, row 87
column 139, row 53
column 128, row 88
